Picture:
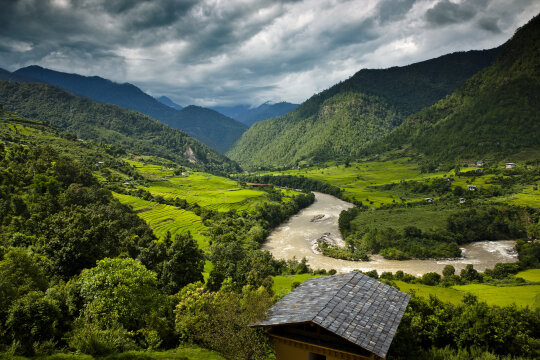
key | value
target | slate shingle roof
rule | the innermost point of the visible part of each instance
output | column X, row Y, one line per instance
column 353, row 306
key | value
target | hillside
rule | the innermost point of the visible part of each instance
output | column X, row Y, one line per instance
column 109, row 124
column 210, row 127
column 250, row 116
column 493, row 115
column 338, row 122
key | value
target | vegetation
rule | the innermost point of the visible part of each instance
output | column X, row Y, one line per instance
column 338, row 122
column 210, row 127
column 494, row 114
column 109, row 124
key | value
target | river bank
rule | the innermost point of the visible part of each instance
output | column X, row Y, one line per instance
column 298, row 236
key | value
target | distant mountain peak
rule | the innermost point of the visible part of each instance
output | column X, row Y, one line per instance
column 165, row 100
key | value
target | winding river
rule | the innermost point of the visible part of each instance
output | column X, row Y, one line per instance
column 297, row 238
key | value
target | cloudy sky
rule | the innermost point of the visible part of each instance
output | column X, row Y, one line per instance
column 224, row 52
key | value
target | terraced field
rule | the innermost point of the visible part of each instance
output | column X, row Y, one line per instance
column 165, row 218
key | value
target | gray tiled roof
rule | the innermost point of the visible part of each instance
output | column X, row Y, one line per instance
column 353, row 306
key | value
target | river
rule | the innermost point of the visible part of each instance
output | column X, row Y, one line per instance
column 296, row 238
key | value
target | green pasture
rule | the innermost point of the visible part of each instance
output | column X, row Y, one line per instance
column 151, row 171
column 526, row 197
column 210, row 191
column 525, row 295
column 522, row 296
column 445, row 294
column 165, row 218
column 283, row 283
column 532, row 275
column 358, row 179
column 429, row 217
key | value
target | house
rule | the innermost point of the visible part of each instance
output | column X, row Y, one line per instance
column 347, row 316
column 471, row 187
column 462, row 200
column 510, row 165
column 480, row 163
column 428, row 200
column 479, row 170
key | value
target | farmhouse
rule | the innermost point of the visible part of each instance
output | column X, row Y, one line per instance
column 428, row 200
column 462, row 200
column 347, row 316
column 510, row 165
column 471, row 187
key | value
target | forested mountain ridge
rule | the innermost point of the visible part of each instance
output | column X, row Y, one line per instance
column 109, row 124
column 338, row 122
column 210, row 127
column 494, row 114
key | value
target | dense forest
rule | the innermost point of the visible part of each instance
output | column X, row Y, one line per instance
column 210, row 127
column 340, row 121
column 494, row 114
column 109, row 124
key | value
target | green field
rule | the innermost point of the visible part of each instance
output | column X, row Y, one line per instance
column 445, row 294
column 532, row 275
column 429, row 217
column 165, row 218
column 282, row 283
column 526, row 295
column 522, row 296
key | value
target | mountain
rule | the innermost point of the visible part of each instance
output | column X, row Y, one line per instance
column 339, row 122
column 264, row 112
column 250, row 116
column 210, row 127
column 494, row 114
column 110, row 124
column 231, row 111
column 165, row 100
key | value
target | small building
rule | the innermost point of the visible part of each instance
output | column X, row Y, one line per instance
column 471, row 187
column 480, row 163
column 430, row 200
column 479, row 170
column 348, row 316
column 510, row 165
column 462, row 200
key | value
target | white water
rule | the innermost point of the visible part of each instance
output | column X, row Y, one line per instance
column 297, row 237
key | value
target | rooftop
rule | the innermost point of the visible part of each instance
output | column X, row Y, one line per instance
column 353, row 306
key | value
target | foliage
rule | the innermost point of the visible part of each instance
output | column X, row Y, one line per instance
column 472, row 324
column 219, row 320
column 337, row 123
column 89, row 337
column 495, row 113
column 109, row 124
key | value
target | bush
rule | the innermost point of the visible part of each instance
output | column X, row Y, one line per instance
column 96, row 340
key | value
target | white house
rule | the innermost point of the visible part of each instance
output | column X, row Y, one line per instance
column 471, row 187
column 510, row 165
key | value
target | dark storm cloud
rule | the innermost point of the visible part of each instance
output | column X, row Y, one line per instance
column 245, row 51
column 446, row 12
column 489, row 24
column 393, row 9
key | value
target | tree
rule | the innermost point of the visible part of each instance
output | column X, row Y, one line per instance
column 21, row 271
column 184, row 264
column 470, row 274
column 32, row 318
column 448, row 271
column 220, row 320
column 120, row 290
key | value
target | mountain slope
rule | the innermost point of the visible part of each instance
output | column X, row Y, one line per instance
column 494, row 114
column 108, row 124
column 340, row 121
column 165, row 100
column 210, row 127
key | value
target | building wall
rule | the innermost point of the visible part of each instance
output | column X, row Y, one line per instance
column 287, row 349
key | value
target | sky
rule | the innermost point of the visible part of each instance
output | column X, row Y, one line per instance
column 228, row 52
